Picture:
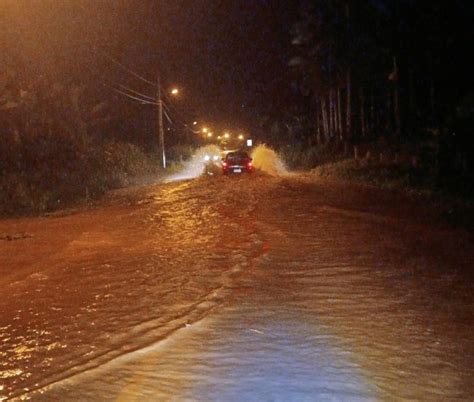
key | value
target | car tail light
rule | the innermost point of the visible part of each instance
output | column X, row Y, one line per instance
column 224, row 164
column 249, row 164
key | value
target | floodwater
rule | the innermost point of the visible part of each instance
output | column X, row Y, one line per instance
column 265, row 288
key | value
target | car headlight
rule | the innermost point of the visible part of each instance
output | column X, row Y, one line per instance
column 215, row 157
column 207, row 157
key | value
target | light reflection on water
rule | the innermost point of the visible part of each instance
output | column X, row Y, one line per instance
column 235, row 289
column 284, row 359
column 281, row 357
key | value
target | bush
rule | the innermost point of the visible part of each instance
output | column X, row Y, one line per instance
column 50, row 172
column 301, row 156
column 386, row 175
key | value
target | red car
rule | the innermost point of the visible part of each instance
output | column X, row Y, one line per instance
column 237, row 162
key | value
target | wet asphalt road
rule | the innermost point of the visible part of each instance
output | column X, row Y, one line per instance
column 238, row 288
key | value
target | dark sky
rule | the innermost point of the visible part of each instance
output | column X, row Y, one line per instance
column 228, row 56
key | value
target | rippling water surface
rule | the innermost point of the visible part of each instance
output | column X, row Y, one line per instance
column 240, row 288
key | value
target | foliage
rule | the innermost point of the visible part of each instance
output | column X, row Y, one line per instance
column 52, row 174
column 394, row 70
column 302, row 156
column 394, row 175
column 58, row 145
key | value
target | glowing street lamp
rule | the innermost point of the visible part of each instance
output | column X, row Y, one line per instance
column 209, row 134
column 174, row 91
column 205, row 130
column 241, row 137
column 226, row 135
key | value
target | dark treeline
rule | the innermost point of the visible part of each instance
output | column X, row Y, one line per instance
column 69, row 126
column 65, row 136
column 390, row 72
column 394, row 74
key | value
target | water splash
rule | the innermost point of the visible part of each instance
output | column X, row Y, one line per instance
column 195, row 166
column 268, row 161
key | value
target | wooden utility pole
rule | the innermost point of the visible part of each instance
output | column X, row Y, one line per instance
column 161, row 133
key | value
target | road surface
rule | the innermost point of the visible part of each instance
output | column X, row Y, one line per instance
column 237, row 288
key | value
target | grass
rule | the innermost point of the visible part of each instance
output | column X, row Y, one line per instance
column 394, row 176
column 59, row 175
column 397, row 176
column 454, row 199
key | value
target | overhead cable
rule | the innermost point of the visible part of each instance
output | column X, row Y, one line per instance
column 137, row 93
column 127, row 69
column 167, row 116
column 144, row 101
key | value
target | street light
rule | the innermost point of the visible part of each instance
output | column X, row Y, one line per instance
column 209, row 134
column 241, row 137
column 226, row 135
column 205, row 130
column 174, row 91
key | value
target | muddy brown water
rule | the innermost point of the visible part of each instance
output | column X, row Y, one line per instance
column 237, row 288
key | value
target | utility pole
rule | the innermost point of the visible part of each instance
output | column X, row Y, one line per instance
column 161, row 134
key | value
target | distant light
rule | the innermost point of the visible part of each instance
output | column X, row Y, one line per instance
column 205, row 130
column 175, row 91
column 249, row 143
column 295, row 61
column 241, row 137
column 195, row 123
column 226, row 135
column 209, row 134
column 219, row 137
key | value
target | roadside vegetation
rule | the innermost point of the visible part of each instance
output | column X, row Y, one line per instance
column 378, row 96
column 61, row 145
column 48, row 173
column 412, row 168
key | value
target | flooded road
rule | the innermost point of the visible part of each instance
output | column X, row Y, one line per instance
column 237, row 288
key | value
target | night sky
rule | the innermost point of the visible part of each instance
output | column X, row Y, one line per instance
column 228, row 57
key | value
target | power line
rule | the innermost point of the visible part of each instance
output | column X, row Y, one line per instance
column 173, row 109
column 163, row 94
column 137, row 93
column 140, row 97
column 167, row 116
column 176, row 114
column 144, row 101
column 178, row 120
column 126, row 68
